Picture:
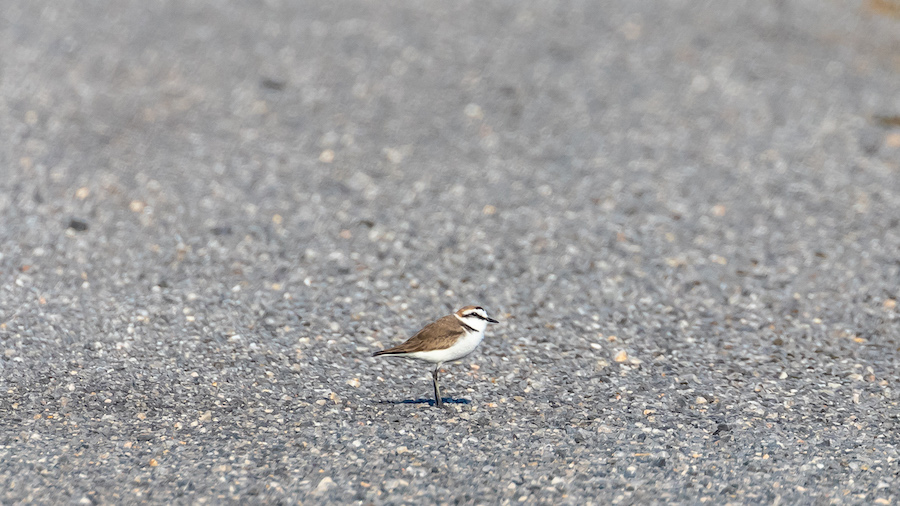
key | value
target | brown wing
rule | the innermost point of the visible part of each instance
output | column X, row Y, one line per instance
column 438, row 335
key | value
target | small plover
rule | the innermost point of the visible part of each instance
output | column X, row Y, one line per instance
column 445, row 340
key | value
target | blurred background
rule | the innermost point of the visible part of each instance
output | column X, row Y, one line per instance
column 458, row 136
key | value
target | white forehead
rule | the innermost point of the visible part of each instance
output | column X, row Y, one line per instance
column 477, row 311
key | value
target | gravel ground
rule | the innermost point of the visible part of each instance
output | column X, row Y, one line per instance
column 684, row 214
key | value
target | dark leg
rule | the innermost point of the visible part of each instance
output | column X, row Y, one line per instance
column 437, row 390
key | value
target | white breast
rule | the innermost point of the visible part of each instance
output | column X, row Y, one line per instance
column 465, row 345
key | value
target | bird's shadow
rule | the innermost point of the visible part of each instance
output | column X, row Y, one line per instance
column 430, row 402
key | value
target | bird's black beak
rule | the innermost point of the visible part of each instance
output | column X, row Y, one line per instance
column 491, row 320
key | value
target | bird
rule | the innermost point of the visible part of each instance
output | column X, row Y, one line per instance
column 444, row 340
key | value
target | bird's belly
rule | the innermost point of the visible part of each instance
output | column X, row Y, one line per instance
column 460, row 349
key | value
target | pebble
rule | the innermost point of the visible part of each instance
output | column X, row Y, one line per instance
column 324, row 485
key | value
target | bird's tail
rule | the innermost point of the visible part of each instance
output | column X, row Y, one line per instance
column 391, row 351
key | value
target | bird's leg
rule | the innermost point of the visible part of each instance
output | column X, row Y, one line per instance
column 437, row 390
